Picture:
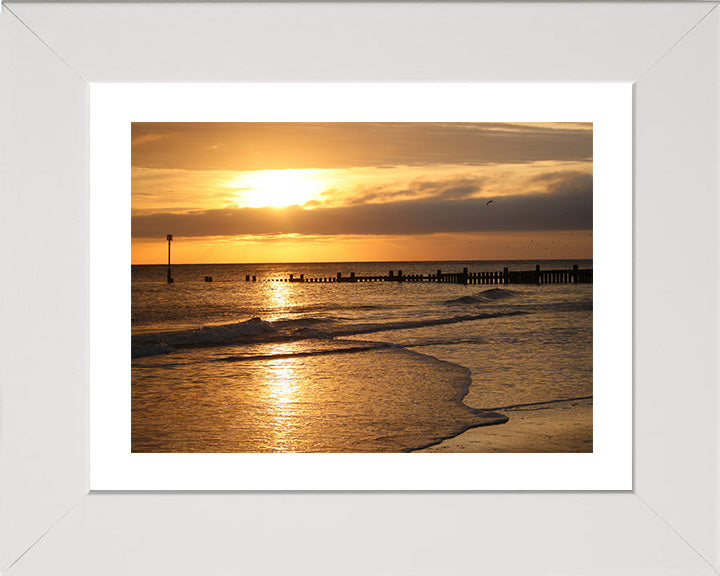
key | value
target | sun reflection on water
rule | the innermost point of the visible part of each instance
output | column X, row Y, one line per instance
column 279, row 298
column 280, row 379
column 283, row 395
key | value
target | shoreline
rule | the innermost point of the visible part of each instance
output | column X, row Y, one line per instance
column 555, row 426
column 550, row 426
column 490, row 416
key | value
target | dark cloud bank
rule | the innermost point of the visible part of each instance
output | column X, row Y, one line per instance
column 568, row 207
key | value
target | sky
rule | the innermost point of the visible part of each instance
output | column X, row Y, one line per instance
column 338, row 192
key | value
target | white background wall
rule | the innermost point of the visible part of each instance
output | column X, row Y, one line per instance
column 666, row 527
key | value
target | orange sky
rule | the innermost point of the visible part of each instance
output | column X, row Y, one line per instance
column 277, row 192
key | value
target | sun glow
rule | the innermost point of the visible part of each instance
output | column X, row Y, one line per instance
column 278, row 188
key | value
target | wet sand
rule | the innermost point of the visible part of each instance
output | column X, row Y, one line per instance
column 557, row 427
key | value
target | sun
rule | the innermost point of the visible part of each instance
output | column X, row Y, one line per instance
column 277, row 188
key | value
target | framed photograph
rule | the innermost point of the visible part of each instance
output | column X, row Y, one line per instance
column 108, row 139
column 330, row 360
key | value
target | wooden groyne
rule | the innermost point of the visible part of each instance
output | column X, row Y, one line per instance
column 504, row 276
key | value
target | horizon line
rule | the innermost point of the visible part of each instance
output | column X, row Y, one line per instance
column 355, row 262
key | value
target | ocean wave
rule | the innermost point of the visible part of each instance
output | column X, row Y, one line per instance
column 330, row 347
column 367, row 328
column 492, row 294
column 304, row 353
column 153, row 343
column 258, row 330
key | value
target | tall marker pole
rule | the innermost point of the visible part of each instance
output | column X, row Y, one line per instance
column 169, row 275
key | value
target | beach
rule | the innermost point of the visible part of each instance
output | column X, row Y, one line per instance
column 555, row 427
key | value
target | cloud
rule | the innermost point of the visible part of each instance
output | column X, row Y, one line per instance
column 556, row 176
column 279, row 145
column 179, row 189
column 568, row 206
column 161, row 190
column 138, row 139
column 571, row 184
column 449, row 188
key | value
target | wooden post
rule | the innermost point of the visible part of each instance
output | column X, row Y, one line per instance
column 537, row 273
column 208, row 278
column 506, row 276
column 169, row 273
column 439, row 275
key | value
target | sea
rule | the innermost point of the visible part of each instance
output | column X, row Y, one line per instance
column 269, row 365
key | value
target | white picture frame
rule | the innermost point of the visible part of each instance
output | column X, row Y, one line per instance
column 49, row 523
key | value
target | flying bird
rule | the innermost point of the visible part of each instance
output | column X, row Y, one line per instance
column 488, row 202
